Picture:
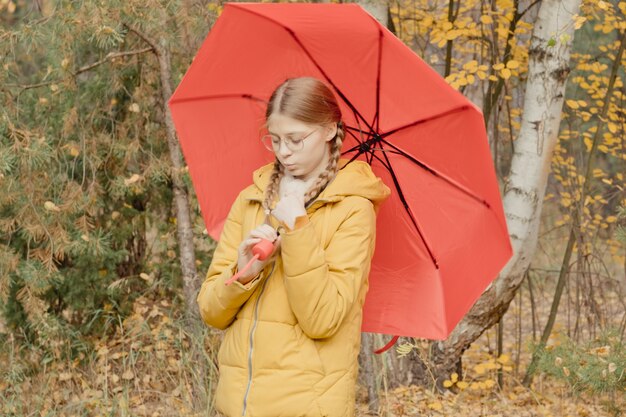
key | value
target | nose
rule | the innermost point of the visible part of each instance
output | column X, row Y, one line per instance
column 283, row 150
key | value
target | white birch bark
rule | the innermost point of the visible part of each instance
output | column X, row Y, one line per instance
column 525, row 188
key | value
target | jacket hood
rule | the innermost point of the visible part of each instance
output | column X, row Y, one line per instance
column 354, row 178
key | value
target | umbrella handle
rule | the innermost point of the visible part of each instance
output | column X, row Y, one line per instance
column 261, row 251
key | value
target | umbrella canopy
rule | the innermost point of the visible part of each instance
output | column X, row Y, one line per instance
column 441, row 236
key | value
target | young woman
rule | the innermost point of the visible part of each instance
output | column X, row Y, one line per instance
column 293, row 321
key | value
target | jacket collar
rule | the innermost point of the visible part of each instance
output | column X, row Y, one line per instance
column 354, row 178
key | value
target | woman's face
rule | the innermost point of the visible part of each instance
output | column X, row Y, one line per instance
column 312, row 158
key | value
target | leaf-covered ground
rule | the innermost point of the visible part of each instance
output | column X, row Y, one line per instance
column 153, row 367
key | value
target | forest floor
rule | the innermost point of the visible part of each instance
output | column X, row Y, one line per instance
column 150, row 365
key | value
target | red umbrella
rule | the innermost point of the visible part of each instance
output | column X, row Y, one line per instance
column 441, row 236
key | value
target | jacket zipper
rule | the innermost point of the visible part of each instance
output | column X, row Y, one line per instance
column 254, row 323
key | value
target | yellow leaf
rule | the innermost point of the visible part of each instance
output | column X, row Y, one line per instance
column 611, row 219
column 504, row 358
column 512, row 64
column 498, row 66
column 73, row 150
column 447, row 383
column 453, row 34
column 486, row 19
column 133, row 179
column 471, row 66
column 481, row 74
column 454, row 377
column 435, row 406
column 479, row 369
column 579, row 21
column 505, row 73
column 65, row 376
column 50, row 206
column 572, row 103
column 462, row 384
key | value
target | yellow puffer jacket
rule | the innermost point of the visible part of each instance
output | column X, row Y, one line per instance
column 292, row 336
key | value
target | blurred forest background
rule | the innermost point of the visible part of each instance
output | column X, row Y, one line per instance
column 95, row 311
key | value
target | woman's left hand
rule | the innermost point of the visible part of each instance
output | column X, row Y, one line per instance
column 291, row 204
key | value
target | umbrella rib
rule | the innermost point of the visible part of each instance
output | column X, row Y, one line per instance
column 408, row 210
column 345, row 99
column 218, row 96
column 440, row 175
column 427, row 119
column 306, row 51
column 387, row 164
column 376, row 120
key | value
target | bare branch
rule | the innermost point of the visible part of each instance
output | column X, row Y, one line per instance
column 108, row 57
column 111, row 56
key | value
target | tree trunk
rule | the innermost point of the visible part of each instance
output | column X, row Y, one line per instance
column 181, row 197
column 524, row 191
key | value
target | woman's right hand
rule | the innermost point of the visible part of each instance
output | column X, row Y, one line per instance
column 264, row 231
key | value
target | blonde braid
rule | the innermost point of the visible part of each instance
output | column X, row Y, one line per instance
column 332, row 169
column 272, row 188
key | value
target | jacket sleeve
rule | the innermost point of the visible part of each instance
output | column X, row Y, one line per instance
column 322, row 285
column 217, row 302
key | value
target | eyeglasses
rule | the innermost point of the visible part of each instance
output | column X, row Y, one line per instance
column 272, row 142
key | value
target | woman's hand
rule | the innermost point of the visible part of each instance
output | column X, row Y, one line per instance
column 291, row 203
column 264, row 231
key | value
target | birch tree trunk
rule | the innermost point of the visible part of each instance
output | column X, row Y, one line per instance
column 524, row 191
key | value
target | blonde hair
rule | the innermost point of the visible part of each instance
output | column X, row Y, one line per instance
column 308, row 100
